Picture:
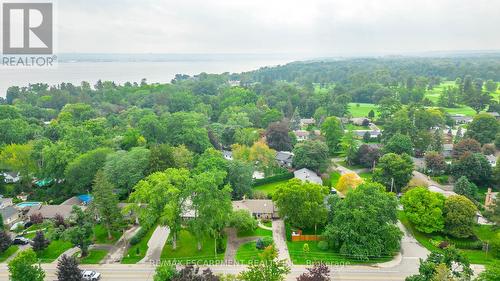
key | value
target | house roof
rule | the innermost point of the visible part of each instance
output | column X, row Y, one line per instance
column 491, row 158
column 305, row 174
column 8, row 212
column 50, row 211
column 307, row 121
column 448, row 146
column 361, row 133
column 301, row 133
column 5, row 202
column 285, row 156
column 255, row 206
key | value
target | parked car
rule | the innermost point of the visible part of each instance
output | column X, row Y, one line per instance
column 89, row 275
column 19, row 240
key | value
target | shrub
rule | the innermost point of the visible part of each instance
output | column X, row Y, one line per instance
column 275, row 178
column 469, row 245
column 36, row 218
column 267, row 241
column 323, row 245
column 259, row 244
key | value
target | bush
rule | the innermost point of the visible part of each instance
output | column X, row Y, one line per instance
column 441, row 179
column 275, row 178
column 288, row 232
column 138, row 236
column 323, row 245
column 259, row 244
column 36, row 218
column 267, row 241
column 469, row 245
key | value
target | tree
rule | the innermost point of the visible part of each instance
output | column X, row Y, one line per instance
column 370, row 233
column 466, row 188
column 399, row 144
column 483, row 128
column 492, row 272
column 437, row 141
column 277, row 136
column 309, row 196
column 246, row 136
column 5, row 240
column 23, row 268
column 134, row 162
column 459, row 216
column 18, row 158
column 435, row 163
column 39, row 242
column 367, row 155
column 14, row 131
column 311, row 154
column 320, row 272
column 464, row 146
column 371, row 114
column 81, row 171
column 263, row 156
column 424, row 209
column 239, row 175
column 165, row 194
column 348, row 182
column 269, row 268
column 455, row 263
column 333, row 132
column 67, row 269
column 161, row 158
column 243, row 221
column 188, row 128
column 473, row 166
column 349, row 146
column 81, row 230
column 164, row 272
column 105, row 204
column 183, row 157
column 56, row 157
column 393, row 171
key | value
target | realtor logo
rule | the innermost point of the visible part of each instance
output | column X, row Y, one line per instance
column 27, row 28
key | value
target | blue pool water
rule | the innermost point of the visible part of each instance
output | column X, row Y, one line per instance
column 28, row 204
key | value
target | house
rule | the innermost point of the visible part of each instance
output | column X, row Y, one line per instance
column 5, row 202
column 261, row 209
column 257, row 175
column 360, row 121
column 492, row 159
column 50, row 211
column 284, row 158
column 447, row 150
column 233, row 83
column 301, row 135
column 373, row 133
column 490, row 200
column 228, row 155
column 80, row 200
column 11, row 177
column 461, row 119
column 307, row 175
column 10, row 214
column 306, row 122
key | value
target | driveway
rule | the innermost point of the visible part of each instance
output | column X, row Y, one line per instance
column 116, row 253
column 233, row 243
column 156, row 243
column 279, row 238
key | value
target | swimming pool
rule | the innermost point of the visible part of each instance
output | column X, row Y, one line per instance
column 28, row 204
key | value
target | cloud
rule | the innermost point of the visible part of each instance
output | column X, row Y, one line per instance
column 277, row 26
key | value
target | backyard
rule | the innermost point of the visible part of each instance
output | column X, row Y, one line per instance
column 268, row 188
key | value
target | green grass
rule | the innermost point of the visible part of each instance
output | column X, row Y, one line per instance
column 54, row 250
column 248, row 253
column 268, row 223
column 257, row 232
column 350, row 167
column 362, row 110
column 94, row 257
column 137, row 252
column 268, row 188
column 474, row 256
column 355, row 127
column 332, row 180
column 187, row 250
column 315, row 254
column 101, row 235
column 9, row 252
column 366, row 176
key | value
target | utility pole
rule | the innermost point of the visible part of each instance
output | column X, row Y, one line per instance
column 392, row 183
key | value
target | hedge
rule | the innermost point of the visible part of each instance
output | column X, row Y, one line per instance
column 271, row 179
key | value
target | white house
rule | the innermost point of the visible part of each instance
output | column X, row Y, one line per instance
column 228, row 155
column 11, row 177
column 306, row 122
column 305, row 175
column 301, row 135
column 492, row 160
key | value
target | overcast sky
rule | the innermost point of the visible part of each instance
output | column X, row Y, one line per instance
column 318, row 27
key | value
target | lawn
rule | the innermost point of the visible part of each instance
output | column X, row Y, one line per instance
column 257, row 232
column 187, row 250
column 267, row 223
column 54, row 250
column 9, row 252
column 366, row 176
column 362, row 109
column 94, row 257
column 248, row 253
column 137, row 252
column 484, row 233
column 315, row 254
column 355, row 127
column 101, row 235
column 332, row 180
column 268, row 188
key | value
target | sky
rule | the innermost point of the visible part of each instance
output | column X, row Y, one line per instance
column 313, row 27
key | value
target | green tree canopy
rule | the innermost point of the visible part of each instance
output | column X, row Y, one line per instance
column 393, row 171
column 424, row 209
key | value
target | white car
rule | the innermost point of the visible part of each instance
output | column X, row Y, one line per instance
column 90, row 275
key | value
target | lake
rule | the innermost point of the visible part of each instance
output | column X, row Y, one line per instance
column 132, row 68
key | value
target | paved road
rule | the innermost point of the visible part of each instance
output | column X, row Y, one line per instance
column 156, row 243
column 279, row 239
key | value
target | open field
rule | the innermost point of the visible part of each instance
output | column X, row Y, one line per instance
column 362, row 109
